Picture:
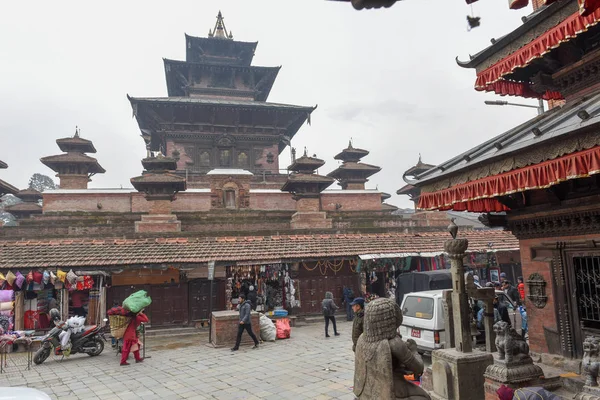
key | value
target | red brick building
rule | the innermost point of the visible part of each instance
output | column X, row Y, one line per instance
column 540, row 180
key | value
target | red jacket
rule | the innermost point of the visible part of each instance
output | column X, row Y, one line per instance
column 133, row 325
column 521, row 288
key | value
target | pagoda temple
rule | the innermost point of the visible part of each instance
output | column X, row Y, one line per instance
column 6, row 188
column 413, row 192
column 30, row 204
column 160, row 187
column 216, row 115
column 306, row 187
column 352, row 174
column 74, row 168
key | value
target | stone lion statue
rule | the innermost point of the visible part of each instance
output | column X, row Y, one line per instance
column 382, row 358
column 591, row 360
column 509, row 343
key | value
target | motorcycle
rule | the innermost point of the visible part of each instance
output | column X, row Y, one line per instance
column 90, row 341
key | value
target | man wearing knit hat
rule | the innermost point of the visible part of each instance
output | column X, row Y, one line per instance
column 358, row 306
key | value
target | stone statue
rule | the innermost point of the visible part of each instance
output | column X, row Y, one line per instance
column 382, row 358
column 591, row 360
column 511, row 346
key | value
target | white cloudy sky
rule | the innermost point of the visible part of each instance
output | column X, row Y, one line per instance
column 386, row 78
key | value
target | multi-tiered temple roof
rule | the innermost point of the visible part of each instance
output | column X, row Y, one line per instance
column 216, row 115
column 304, row 181
column 5, row 187
column 353, row 174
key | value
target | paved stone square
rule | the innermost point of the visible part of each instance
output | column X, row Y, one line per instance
column 307, row 366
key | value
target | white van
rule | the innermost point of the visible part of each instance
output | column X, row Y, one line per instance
column 423, row 320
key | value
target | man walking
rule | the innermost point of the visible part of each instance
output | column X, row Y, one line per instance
column 245, row 323
column 358, row 306
column 511, row 292
column 348, row 297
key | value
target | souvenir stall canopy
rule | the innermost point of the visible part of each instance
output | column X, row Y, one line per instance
column 275, row 285
column 27, row 296
column 379, row 271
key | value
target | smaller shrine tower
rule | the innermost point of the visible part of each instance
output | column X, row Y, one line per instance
column 410, row 190
column 29, row 206
column 160, row 186
column 352, row 174
column 306, row 187
column 74, row 168
column 6, row 188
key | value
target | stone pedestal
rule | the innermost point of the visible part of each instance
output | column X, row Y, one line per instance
column 457, row 375
column 155, row 223
column 310, row 220
column 517, row 374
column 589, row 393
column 224, row 326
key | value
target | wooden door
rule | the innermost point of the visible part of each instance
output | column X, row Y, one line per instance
column 199, row 293
column 169, row 304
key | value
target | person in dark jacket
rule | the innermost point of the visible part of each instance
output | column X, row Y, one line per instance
column 252, row 297
column 329, row 308
column 502, row 310
column 358, row 306
column 245, row 323
column 511, row 292
column 348, row 297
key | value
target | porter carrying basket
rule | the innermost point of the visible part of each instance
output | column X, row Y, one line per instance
column 118, row 325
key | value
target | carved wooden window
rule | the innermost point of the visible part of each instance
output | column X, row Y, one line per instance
column 205, row 159
column 537, row 290
column 225, row 158
column 229, row 198
column 242, row 160
column 587, row 287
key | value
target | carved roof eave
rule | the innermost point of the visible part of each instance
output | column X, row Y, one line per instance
column 262, row 92
column 55, row 162
column 7, row 188
column 530, row 22
column 82, row 145
column 157, row 180
column 353, row 152
column 3, row 165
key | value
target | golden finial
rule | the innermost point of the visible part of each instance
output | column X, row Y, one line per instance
column 220, row 31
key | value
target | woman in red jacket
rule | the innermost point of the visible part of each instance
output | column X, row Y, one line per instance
column 521, row 288
column 130, row 339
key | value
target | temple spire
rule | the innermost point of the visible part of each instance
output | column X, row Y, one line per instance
column 219, row 31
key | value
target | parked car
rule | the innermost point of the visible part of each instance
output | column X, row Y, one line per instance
column 22, row 393
column 423, row 320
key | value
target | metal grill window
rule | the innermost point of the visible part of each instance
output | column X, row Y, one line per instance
column 587, row 283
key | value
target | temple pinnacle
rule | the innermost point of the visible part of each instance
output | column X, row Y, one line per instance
column 220, row 31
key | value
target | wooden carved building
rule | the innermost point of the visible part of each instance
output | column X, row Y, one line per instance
column 541, row 179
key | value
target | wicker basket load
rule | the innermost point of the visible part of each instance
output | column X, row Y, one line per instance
column 118, row 325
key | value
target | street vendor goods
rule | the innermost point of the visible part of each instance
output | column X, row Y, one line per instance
column 137, row 301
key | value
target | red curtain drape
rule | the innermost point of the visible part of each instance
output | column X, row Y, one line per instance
column 478, row 195
column 492, row 78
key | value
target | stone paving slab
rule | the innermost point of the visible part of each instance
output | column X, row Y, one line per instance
column 307, row 366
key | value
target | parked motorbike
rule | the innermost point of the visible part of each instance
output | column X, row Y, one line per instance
column 90, row 341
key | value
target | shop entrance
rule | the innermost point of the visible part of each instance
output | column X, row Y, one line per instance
column 199, row 293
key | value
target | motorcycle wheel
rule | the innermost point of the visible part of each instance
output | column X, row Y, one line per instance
column 41, row 355
column 99, row 347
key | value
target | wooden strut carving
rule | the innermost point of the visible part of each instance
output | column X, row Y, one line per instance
column 557, row 225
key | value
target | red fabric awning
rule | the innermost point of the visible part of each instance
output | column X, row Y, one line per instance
column 492, row 78
column 478, row 195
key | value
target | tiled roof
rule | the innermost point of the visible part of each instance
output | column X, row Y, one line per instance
column 119, row 252
column 3, row 165
column 6, row 187
column 73, row 158
column 218, row 102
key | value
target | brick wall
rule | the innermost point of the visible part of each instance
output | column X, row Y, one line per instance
column 351, row 202
column 272, row 201
column 262, row 159
column 308, row 204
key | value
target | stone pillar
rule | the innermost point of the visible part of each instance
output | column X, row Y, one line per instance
column 73, row 181
column 460, row 302
column 490, row 335
column 448, row 318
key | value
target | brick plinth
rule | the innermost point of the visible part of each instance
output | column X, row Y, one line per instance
column 156, row 223
column 310, row 220
column 160, row 207
column 355, row 186
column 224, row 326
column 308, row 204
column 72, row 181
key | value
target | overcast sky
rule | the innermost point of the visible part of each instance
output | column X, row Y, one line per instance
column 386, row 78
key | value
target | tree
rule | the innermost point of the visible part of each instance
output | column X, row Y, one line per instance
column 41, row 182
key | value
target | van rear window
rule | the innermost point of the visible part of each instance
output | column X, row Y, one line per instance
column 418, row 307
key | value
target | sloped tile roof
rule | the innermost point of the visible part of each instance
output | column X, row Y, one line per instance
column 119, row 252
